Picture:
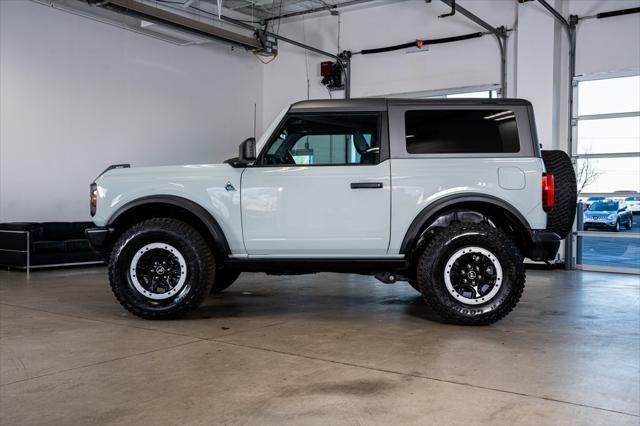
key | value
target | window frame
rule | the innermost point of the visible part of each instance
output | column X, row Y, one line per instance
column 382, row 138
column 397, row 131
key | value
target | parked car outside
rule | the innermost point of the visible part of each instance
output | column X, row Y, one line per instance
column 608, row 215
column 633, row 203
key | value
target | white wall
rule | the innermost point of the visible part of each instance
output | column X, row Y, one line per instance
column 538, row 77
column 78, row 95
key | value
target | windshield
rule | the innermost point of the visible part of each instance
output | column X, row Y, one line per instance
column 595, row 198
column 610, row 206
column 632, row 199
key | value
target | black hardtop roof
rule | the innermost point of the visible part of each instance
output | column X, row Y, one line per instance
column 380, row 104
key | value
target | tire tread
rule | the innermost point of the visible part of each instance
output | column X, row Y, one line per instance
column 429, row 257
column 560, row 218
column 199, row 292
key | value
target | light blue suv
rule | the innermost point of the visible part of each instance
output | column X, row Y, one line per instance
column 449, row 195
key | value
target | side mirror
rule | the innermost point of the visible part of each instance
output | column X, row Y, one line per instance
column 248, row 150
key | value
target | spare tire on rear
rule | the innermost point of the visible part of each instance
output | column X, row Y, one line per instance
column 560, row 218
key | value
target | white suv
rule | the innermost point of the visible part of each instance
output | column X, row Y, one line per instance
column 449, row 195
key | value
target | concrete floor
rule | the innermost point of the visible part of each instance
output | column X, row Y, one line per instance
column 323, row 349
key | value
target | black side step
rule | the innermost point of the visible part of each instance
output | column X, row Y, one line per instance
column 288, row 266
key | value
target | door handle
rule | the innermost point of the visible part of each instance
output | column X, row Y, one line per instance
column 366, row 185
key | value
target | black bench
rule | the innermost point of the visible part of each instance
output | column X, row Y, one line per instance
column 28, row 245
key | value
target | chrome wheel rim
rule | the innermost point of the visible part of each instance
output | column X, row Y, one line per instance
column 473, row 275
column 158, row 271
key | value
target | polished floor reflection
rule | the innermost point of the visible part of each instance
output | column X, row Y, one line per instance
column 318, row 349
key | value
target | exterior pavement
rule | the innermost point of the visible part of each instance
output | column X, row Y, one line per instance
column 318, row 349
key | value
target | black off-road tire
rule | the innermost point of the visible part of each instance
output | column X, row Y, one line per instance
column 200, row 268
column 560, row 218
column 422, row 242
column 431, row 273
column 224, row 278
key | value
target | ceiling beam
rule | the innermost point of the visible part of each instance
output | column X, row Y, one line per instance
column 162, row 16
column 328, row 7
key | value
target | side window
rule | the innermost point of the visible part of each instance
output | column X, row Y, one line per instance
column 461, row 131
column 325, row 139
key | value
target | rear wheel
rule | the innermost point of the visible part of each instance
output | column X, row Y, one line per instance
column 471, row 274
column 161, row 268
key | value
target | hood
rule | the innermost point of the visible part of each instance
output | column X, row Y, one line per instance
column 166, row 172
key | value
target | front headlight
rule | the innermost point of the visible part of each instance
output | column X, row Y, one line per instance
column 93, row 198
column 611, row 216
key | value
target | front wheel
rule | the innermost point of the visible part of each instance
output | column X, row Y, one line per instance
column 161, row 268
column 471, row 274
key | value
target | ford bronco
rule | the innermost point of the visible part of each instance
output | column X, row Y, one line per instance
column 449, row 195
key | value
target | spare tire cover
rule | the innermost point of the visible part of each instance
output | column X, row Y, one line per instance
column 560, row 218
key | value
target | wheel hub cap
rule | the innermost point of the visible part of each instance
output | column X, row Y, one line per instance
column 158, row 271
column 473, row 275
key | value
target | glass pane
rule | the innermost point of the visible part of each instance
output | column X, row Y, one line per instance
column 321, row 149
column 609, row 96
column 612, row 135
column 608, row 251
column 324, row 139
column 604, row 175
column 611, row 214
column 461, row 131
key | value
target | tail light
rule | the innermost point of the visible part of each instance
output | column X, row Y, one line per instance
column 548, row 192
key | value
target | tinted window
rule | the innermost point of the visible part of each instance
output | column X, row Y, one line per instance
column 325, row 139
column 461, row 131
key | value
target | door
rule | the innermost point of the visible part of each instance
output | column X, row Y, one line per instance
column 319, row 188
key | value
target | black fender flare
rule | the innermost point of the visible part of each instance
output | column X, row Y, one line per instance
column 420, row 221
column 192, row 207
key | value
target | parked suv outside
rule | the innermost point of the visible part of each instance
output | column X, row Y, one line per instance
column 450, row 196
column 608, row 214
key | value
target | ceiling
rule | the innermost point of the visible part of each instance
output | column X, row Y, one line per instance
column 260, row 10
column 253, row 12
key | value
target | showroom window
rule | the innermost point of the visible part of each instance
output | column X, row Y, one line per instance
column 326, row 139
column 606, row 150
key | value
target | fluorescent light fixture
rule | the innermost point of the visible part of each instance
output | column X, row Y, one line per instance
column 508, row 117
column 499, row 114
